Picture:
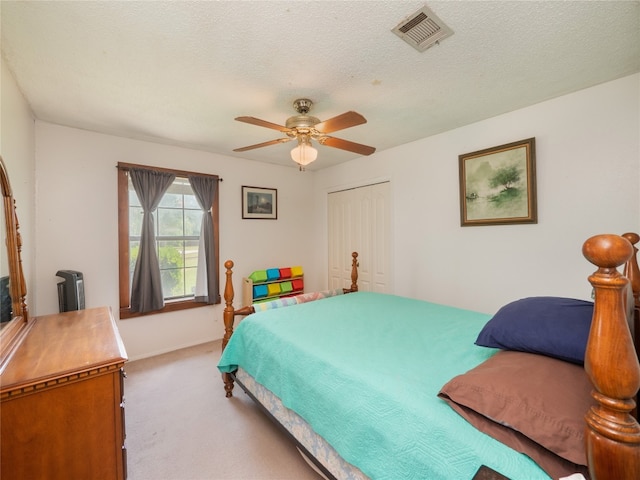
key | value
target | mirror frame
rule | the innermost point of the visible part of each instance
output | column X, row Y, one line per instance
column 12, row 333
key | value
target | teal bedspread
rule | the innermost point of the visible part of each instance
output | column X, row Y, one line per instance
column 364, row 371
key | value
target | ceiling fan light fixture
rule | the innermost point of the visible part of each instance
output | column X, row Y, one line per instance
column 303, row 128
column 304, row 153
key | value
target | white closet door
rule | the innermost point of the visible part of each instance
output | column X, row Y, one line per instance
column 359, row 221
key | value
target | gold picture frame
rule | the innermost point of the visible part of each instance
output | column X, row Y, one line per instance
column 498, row 185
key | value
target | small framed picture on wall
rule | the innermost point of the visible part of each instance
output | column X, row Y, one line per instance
column 259, row 203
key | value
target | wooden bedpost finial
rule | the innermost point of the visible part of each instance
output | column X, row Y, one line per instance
column 607, row 251
column 612, row 434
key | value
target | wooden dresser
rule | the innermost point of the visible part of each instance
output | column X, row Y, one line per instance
column 61, row 400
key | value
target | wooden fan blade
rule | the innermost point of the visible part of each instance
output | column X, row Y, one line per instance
column 263, row 123
column 346, row 120
column 346, row 145
column 264, row 144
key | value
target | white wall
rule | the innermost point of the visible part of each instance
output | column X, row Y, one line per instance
column 588, row 182
column 588, row 165
column 76, row 222
column 17, row 146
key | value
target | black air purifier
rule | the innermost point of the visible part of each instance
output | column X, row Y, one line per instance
column 70, row 291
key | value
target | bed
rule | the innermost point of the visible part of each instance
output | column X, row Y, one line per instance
column 341, row 375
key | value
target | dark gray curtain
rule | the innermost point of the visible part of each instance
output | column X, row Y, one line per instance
column 205, row 190
column 146, row 286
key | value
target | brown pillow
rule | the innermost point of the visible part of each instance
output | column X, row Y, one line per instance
column 532, row 403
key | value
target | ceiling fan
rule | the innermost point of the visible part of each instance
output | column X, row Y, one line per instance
column 304, row 128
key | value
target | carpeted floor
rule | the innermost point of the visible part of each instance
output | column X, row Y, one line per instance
column 180, row 425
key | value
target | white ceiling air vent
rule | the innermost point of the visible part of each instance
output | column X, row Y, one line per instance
column 422, row 29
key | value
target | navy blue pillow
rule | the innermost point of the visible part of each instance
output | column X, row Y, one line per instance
column 553, row 326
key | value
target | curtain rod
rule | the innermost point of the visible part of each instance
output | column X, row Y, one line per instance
column 180, row 173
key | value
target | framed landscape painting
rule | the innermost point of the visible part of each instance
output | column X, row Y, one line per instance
column 259, row 203
column 498, row 185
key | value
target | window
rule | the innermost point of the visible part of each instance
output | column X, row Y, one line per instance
column 177, row 228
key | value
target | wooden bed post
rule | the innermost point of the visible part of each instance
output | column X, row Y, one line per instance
column 354, row 272
column 228, row 316
column 612, row 434
column 631, row 270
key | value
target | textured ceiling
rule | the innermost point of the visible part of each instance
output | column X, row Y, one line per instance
column 180, row 72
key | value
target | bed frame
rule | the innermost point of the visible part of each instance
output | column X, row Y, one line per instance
column 229, row 314
column 611, row 360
